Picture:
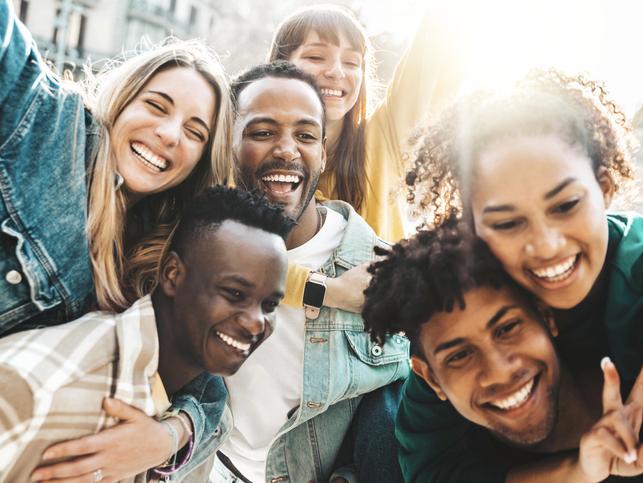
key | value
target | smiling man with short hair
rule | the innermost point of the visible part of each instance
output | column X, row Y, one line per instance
column 219, row 286
column 486, row 349
column 294, row 404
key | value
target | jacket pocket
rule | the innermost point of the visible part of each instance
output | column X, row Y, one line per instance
column 373, row 365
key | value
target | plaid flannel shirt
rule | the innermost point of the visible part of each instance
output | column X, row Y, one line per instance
column 53, row 382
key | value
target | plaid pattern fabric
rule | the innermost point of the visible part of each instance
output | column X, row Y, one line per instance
column 53, row 381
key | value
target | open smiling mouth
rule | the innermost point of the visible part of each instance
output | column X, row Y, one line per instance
column 517, row 399
column 556, row 273
column 281, row 183
column 332, row 93
column 148, row 158
column 242, row 347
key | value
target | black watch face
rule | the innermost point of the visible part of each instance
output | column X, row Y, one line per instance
column 314, row 294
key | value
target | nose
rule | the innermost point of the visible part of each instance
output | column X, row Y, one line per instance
column 169, row 131
column 253, row 321
column 286, row 149
column 545, row 241
column 497, row 367
column 335, row 69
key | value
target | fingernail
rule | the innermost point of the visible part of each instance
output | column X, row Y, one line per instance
column 606, row 361
column 630, row 457
column 48, row 455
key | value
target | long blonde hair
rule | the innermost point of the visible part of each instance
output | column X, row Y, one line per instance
column 107, row 94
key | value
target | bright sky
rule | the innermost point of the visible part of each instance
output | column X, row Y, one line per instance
column 599, row 37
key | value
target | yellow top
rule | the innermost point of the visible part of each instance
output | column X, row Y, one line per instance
column 427, row 77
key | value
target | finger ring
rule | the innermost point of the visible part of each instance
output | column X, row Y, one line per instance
column 98, row 475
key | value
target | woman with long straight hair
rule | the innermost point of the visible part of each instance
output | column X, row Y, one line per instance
column 88, row 172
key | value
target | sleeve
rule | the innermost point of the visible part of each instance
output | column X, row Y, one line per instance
column 297, row 276
column 434, row 443
column 20, row 68
column 203, row 400
column 16, row 416
column 427, row 77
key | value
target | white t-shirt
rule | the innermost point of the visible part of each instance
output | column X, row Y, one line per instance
column 268, row 385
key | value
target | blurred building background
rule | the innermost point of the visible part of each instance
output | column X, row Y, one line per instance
column 69, row 32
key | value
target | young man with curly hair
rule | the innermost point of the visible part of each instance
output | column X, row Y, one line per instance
column 486, row 349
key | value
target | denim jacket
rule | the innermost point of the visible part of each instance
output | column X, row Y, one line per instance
column 341, row 363
column 45, row 143
column 44, row 256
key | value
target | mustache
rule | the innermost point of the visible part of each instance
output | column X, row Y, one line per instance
column 280, row 164
column 517, row 378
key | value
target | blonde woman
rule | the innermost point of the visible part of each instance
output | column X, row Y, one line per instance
column 86, row 174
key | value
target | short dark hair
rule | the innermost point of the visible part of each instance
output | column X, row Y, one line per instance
column 280, row 69
column 211, row 208
column 427, row 274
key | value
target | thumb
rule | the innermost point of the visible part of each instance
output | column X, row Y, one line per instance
column 116, row 408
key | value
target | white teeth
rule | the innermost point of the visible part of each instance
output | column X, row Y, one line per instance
column 149, row 157
column 556, row 272
column 242, row 346
column 516, row 399
column 282, row 178
column 331, row 92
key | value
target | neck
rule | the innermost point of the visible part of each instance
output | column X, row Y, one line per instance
column 174, row 368
column 306, row 227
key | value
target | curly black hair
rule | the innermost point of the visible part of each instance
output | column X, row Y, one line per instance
column 211, row 208
column 575, row 108
column 427, row 274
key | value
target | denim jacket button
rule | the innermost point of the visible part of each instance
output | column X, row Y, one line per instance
column 376, row 350
column 13, row 277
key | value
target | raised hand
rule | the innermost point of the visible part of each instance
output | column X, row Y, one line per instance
column 611, row 446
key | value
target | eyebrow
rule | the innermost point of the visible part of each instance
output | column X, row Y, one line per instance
column 270, row 120
column 326, row 44
column 240, row 280
column 561, row 186
column 490, row 324
column 196, row 119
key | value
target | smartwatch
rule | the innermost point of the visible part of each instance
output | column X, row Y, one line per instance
column 314, row 293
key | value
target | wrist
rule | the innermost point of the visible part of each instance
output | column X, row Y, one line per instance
column 332, row 288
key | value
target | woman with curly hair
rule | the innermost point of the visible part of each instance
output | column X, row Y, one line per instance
column 533, row 171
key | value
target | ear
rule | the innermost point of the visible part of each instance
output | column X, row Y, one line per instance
column 422, row 369
column 323, row 153
column 606, row 182
column 172, row 274
column 548, row 318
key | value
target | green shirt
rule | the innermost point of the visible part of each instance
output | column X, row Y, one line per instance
column 439, row 445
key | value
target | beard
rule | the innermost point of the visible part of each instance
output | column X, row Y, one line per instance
column 534, row 433
column 250, row 180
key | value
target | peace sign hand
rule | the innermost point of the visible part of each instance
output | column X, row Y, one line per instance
column 611, row 446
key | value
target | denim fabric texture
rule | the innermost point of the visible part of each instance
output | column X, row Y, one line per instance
column 46, row 138
column 341, row 364
column 44, row 257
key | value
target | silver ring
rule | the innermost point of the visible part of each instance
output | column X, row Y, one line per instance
column 98, row 475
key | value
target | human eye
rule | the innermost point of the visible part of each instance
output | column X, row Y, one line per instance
column 233, row 294
column 260, row 134
column 269, row 306
column 307, row 137
column 506, row 225
column 508, row 328
column 566, row 206
column 196, row 134
column 458, row 358
column 353, row 63
column 156, row 106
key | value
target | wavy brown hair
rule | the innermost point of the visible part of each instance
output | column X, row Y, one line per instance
column 347, row 164
column 575, row 108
